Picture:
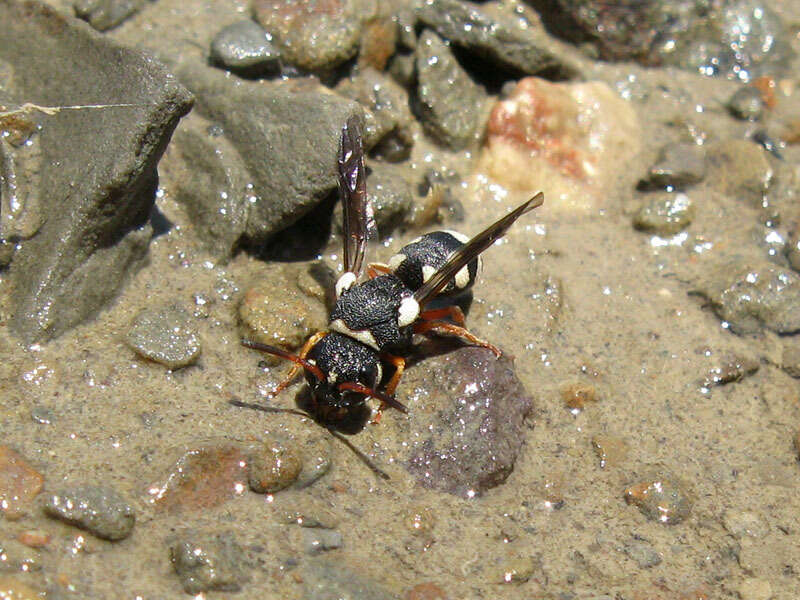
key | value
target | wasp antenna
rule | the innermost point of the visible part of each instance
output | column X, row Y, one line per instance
column 269, row 409
column 313, row 369
column 362, row 389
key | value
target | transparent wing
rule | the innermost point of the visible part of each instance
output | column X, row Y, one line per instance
column 359, row 221
column 471, row 249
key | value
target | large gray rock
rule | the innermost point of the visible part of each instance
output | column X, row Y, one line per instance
column 257, row 157
column 96, row 173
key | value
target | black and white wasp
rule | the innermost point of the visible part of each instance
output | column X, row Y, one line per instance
column 373, row 321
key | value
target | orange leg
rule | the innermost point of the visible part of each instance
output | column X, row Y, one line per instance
column 376, row 269
column 452, row 312
column 310, row 343
column 399, row 364
column 445, row 327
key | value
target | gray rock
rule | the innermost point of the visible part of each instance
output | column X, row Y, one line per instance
column 255, row 158
column 273, row 466
column 642, row 553
column 325, row 579
column 97, row 176
column 664, row 213
column 306, row 511
column 678, row 166
column 740, row 170
column 473, row 427
column 106, row 14
column 750, row 298
column 744, row 523
column 746, row 104
column 448, row 102
column 246, row 49
column 99, row 510
column 661, row 498
column 387, row 117
column 508, row 41
column 317, row 541
column 313, row 36
column 208, row 562
column 790, row 357
column 165, row 336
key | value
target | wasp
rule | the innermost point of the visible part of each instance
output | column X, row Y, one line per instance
column 373, row 321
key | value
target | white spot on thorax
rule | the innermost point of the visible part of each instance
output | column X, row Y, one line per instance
column 408, row 311
column 345, row 282
column 459, row 236
column 396, row 261
column 427, row 272
column 364, row 335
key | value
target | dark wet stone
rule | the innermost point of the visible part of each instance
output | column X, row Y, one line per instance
column 642, row 553
column 245, row 48
column 99, row 510
column 96, row 175
column 448, row 102
column 403, row 70
column 664, row 213
column 208, row 562
column 508, row 41
column 106, row 14
column 678, row 166
column 317, row 541
column 752, row 298
column 314, row 36
column 661, row 499
column 273, row 466
column 746, row 104
column 165, row 335
column 387, row 118
column 731, row 369
column 472, row 428
column 325, row 579
column 740, row 170
column 253, row 159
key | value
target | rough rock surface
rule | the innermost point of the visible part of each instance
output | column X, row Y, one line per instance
column 471, row 427
column 96, row 229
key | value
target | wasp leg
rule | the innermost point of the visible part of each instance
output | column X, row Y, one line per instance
column 399, row 364
column 310, row 343
column 443, row 326
column 375, row 269
column 453, row 312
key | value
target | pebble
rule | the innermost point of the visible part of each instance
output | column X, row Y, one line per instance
column 740, row 170
column 11, row 588
column 753, row 588
column 34, row 538
column 448, row 102
column 790, row 357
column 733, row 368
column 42, row 415
column 331, row 579
column 245, row 48
column 575, row 396
column 378, row 43
column 610, row 450
column 204, row 477
column 99, row 510
column 750, row 296
column 518, row 570
column 106, row 14
column 314, row 36
column 208, row 563
column 745, row 523
column 643, row 554
column 273, row 466
column 317, row 460
column 678, row 166
column 316, row 541
column 306, row 511
column 419, row 521
column 391, row 197
column 19, row 484
column 746, row 104
column 166, row 336
column 664, row 213
column 660, row 499
column 16, row 556
column 426, row 591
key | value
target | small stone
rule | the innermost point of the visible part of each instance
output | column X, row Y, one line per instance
column 753, row 588
column 273, row 466
column 745, row 523
column 740, row 170
column 378, row 43
column 208, row 563
column 643, row 554
column 665, row 213
column 331, row 579
column 306, row 511
column 660, row 499
column 317, row 541
column 165, row 336
column 106, row 14
column 391, row 197
column 426, row 591
column 19, row 484
column 611, row 450
column 733, row 368
column 245, row 48
column 317, row 461
column 790, row 357
column 678, row 166
column 576, row 395
column 419, row 521
column 42, row 415
column 11, row 588
column 34, row 538
column 746, row 104
column 16, row 556
column 518, row 570
column 448, row 102
column 204, row 477
column 99, row 510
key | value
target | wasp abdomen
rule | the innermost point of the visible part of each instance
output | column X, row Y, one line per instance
column 420, row 259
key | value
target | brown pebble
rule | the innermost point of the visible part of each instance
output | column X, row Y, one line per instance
column 611, row 450
column 660, row 499
column 419, row 521
column 426, row 591
column 34, row 538
column 576, row 395
column 273, row 466
column 19, row 484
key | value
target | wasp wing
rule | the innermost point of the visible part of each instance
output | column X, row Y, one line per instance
column 471, row 249
column 359, row 221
